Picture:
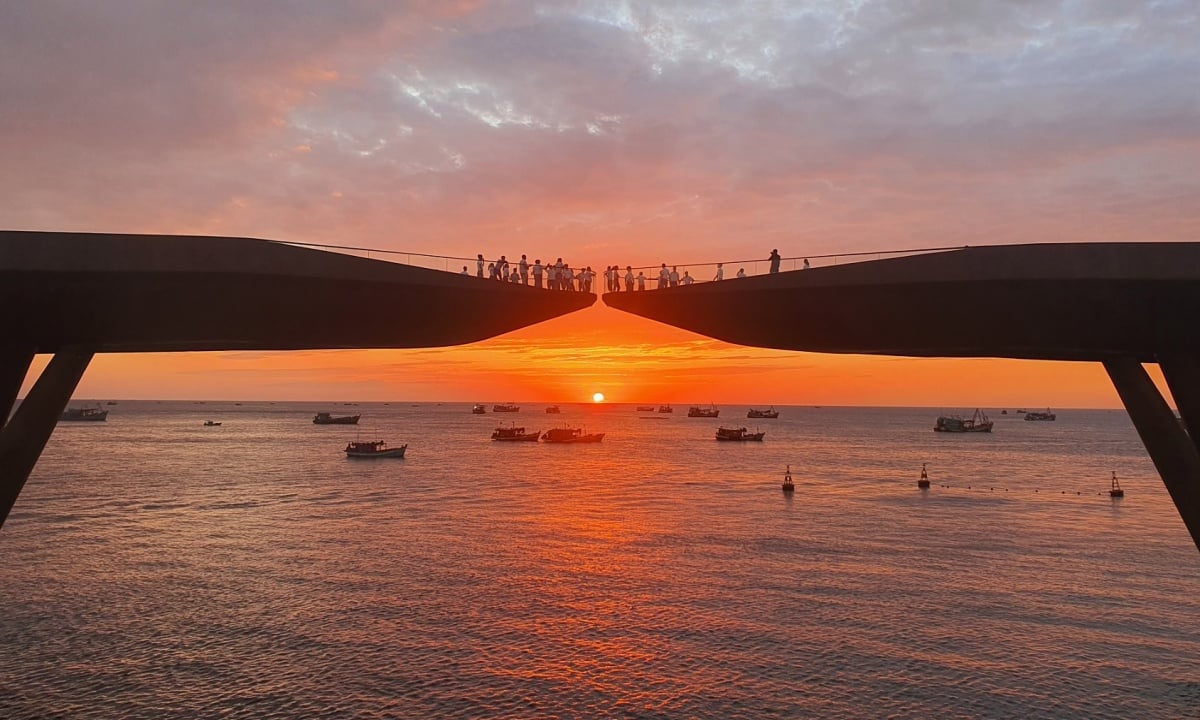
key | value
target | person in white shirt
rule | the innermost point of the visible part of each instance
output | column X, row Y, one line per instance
column 523, row 269
column 673, row 277
column 664, row 276
column 628, row 278
column 537, row 273
column 687, row 279
column 641, row 280
column 464, row 272
column 720, row 272
column 741, row 272
column 479, row 265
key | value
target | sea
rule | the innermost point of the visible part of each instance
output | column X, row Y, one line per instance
column 157, row 568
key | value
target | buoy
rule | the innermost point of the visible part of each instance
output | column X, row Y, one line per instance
column 923, row 483
column 1115, row 490
column 787, row 481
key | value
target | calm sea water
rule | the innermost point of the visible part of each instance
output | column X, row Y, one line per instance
column 157, row 568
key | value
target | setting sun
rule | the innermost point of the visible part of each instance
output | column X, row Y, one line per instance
column 598, row 397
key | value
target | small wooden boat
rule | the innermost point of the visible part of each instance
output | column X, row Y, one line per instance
column 553, row 410
column 375, row 449
column 769, row 414
column 739, row 434
column 506, row 407
column 324, row 418
column 513, row 433
column 645, row 408
column 570, row 435
column 709, row 412
column 84, row 414
column 479, row 410
column 210, row 423
column 978, row 422
column 1045, row 416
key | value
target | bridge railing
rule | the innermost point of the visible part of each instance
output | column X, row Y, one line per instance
column 447, row 263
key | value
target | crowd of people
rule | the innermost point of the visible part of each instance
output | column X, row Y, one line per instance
column 561, row 276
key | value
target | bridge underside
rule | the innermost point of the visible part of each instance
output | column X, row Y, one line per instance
column 77, row 294
column 1119, row 304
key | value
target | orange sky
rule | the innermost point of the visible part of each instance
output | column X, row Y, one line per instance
column 631, row 133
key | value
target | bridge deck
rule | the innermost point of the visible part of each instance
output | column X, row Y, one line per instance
column 1051, row 301
column 137, row 293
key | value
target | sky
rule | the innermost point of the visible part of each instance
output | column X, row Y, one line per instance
column 604, row 132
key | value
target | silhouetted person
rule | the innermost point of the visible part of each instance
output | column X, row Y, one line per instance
column 720, row 272
column 523, row 268
column 806, row 265
column 559, row 277
column 741, row 272
column 774, row 258
column 502, row 270
column 687, row 279
column 479, row 265
column 492, row 271
column 641, row 278
column 673, row 276
column 664, row 276
column 537, row 273
column 628, row 278
column 464, row 272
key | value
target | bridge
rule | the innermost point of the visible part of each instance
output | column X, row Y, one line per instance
column 77, row 294
column 1120, row 304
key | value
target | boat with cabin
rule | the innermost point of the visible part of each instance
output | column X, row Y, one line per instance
column 708, row 412
column 84, row 414
column 210, row 423
column 769, row 414
column 512, row 433
column 479, row 409
column 666, row 409
column 739, row 434
column 978, row 422
column 506, row 407
column 570, row 435
column 324, row 418
column 1043, row 416
column 374, row 449
column 553, row 410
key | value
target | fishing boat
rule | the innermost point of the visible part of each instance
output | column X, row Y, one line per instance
column 666, row 409
column 645, row 408
column 512, row 433
column 479, row 410
column 770, row 414
column 1045, row 416
column 324, row 418
column 373, row 449
column 553, row 410
column 210, row 423
column 978, row 422
column 708, row 412
column 84, row 414
column 739, row 434
column 506, row 407
column 570, row 435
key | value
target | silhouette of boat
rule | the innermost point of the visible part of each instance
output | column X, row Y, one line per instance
column 666, row 409
column 324, row 418
column 772, row 413
column 697, row 411
column 978, row 422
column 570, row 435
column 111, row 402
column 739, row 434
column 210, row 423
column 507, row 407
column 84, row 414
column 375, row 449
column 1046, row 416
column 478, row 410
column 553, row 410
column 512, row 433
column 645, row 408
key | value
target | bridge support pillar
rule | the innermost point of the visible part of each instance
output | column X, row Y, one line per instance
column 14, row 364
column 1170, row 448
column 23, row 438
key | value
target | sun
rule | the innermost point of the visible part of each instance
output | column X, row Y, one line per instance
column 598, row 397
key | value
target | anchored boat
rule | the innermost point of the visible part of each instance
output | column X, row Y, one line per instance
column 739, row 434
column 506, row 407
column 374, row 449
column 978, row 422
column 513, row 433
column 570, row 435
column 324, row 418
column 769, row 414
column 85, row 414
column 1048, row 416
column 697, row 411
